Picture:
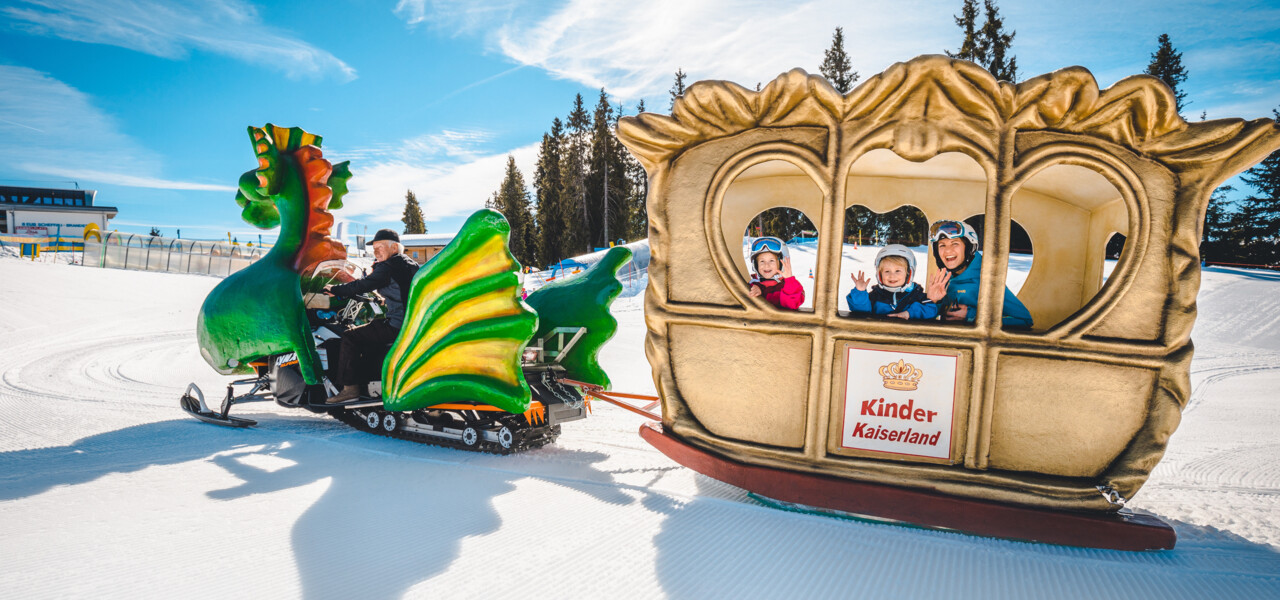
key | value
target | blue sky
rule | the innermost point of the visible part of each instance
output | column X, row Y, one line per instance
column 148, row 101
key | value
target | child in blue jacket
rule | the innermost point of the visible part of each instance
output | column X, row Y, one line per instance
column 896, row 295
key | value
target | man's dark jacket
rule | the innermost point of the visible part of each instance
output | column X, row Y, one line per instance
column 390, row 278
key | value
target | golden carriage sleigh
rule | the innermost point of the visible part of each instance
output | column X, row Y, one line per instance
column 1041, row 434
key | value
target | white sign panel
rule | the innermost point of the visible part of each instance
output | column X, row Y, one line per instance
column 66, row 224
column 899, row 402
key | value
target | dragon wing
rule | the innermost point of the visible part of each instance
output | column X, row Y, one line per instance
column 465, row 328
column 583, row 301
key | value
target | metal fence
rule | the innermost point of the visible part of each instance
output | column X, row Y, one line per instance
column 153, row 253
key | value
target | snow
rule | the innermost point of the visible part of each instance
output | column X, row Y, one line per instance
column 108, row 490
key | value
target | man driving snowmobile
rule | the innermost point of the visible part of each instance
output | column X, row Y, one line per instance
column 391, row 276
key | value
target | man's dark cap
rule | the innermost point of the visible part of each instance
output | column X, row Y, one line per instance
column 385, row 235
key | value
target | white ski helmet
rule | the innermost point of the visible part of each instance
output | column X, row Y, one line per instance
column 949, row 229
column 767, row 244
column 900, row 251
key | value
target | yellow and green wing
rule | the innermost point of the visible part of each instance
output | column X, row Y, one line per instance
column 464, row 327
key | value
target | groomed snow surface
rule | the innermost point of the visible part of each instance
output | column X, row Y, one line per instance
column 108, row 490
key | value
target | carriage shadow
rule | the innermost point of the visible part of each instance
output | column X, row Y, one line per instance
column 726, row 544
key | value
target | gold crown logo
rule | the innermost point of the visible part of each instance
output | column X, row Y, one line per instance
column 901, row 376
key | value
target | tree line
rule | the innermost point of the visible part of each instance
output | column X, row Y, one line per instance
column 1246, row 231
column 588, row 190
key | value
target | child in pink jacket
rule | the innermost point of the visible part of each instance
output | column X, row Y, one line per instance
column 771, row 275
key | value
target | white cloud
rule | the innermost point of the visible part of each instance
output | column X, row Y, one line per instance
column 50, row 128
column 171, row 29
column 447, row 174
column 123, row 179
column 460, row 16
column 460, row 145
column 633, row 48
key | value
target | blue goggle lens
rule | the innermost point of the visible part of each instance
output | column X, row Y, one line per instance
column 949, row 229
column 771, row 245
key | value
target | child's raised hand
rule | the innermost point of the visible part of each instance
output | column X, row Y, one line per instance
column 860, row 280
column 937, row 289
column 786, row 268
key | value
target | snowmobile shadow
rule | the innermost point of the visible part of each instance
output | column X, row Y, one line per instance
column 726, row 544
column 395, row 513
column 26, row 473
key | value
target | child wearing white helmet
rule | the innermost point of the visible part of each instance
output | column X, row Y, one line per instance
column 895, row 295
column 771, row 274
column 955, row 250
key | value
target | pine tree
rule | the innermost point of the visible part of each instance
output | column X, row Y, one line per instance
column 906, row 225
column 1166, row 63
column 573, row 170
column 1214, row 241
column 621, row 195
column 967, row 21
column 551, row 215
column 987, row 45
column 1242, row 234
column 783, row 222
column 677, row 88
column 412, row 218
column 995, row 43
column 638, row 202
column 835, row 65
column 606, row 179
column 512, row 200
column 860, row 224
column 1261, row 228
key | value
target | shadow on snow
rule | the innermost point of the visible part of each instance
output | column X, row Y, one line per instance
column 383, row 524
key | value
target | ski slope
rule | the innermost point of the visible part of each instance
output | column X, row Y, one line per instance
column 108, row 490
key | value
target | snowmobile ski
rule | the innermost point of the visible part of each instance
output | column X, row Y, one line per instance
column 195, row 406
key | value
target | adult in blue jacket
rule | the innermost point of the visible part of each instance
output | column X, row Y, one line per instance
column 955, row 248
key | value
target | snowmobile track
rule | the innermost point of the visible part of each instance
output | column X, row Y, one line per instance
column 358, row 419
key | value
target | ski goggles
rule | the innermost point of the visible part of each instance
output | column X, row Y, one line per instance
column 945, row 229
column 766, row 244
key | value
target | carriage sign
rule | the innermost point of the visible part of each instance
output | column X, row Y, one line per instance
column 899, row 402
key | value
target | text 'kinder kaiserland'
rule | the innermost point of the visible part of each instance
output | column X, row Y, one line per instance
column 892, row 410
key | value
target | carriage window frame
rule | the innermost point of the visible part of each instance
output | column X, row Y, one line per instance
column 795, row 165
column 920, row 276
column 1124, row 203
column 899, row 168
